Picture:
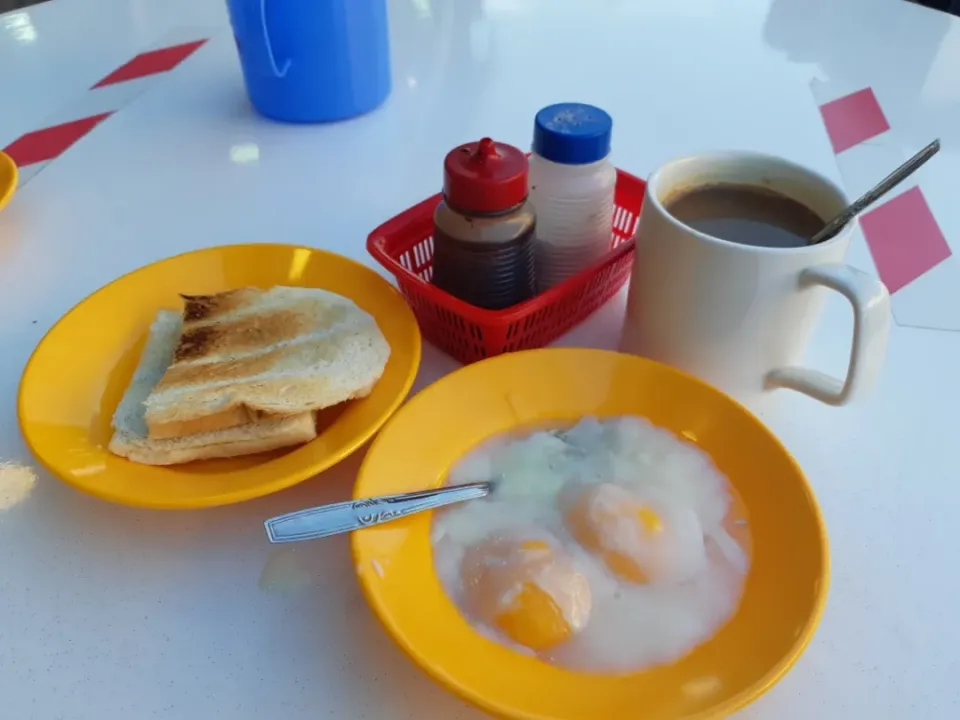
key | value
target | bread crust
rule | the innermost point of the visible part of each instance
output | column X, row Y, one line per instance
column 295, row 431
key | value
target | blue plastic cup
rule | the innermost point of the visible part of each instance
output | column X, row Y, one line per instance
column 313, row 60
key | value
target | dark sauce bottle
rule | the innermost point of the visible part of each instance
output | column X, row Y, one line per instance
column 484, row 227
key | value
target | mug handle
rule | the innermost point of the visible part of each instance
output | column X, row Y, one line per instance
column 870, row 301
column 277, row 71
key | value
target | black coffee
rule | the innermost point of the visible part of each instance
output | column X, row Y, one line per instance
column 746, row 214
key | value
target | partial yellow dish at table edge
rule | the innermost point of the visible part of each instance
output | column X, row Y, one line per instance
column 81, row 368
column 785, row 590
column 9, row 176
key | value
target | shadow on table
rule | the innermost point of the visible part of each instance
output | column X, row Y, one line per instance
column 910, row 69
column 949, row 6
column 8, row 5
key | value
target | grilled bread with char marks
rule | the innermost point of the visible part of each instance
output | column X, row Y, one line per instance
column 130, row 429
column 247, row 355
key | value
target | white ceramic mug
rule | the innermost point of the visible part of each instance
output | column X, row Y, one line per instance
column 739, row 316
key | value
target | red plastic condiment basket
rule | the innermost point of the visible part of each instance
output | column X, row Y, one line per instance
column 404, row 246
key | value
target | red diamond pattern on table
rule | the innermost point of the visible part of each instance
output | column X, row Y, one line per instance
column 151, row 63
column 904, row 239
column 48, row 143
column 853, row 118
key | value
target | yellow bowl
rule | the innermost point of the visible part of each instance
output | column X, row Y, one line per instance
column 80, row 370
column 8, row 178
column 785, row 590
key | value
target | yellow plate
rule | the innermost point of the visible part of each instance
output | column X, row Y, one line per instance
column 785, row 589
column 80, row 370
column 8, row 178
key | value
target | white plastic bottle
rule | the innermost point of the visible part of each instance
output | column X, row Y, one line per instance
column 572, row 183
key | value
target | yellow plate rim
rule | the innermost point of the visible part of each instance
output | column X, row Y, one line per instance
column 267, row 488
column 6, row 192
column 737, row 702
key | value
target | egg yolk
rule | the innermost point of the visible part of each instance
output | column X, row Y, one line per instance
column 610, row 522
column 526, row 589
column 533, row 618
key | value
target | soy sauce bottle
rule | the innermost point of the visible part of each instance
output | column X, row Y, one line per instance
column 484, row 227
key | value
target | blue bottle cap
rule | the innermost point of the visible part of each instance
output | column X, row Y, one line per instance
column 572, row 133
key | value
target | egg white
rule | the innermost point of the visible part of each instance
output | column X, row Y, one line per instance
column 697, row 569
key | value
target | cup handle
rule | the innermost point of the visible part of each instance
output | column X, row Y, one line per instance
column 870, row 301
column 279, row 72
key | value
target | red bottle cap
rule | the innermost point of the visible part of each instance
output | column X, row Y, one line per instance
column 485, row 177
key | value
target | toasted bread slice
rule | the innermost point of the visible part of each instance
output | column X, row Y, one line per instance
column 130, row 429
column 250, row 354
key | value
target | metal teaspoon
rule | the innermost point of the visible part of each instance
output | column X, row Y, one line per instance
column 327, row 520
column 877, row 192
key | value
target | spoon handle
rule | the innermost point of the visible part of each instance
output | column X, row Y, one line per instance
column 326, row 520
column 877, row 192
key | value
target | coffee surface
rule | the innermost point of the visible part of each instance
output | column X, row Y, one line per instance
column 746, row 214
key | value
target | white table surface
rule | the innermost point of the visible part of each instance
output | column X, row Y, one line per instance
column 110, row 612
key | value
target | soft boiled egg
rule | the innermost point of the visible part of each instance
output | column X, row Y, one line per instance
column 638, row 540
column 527, row 588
